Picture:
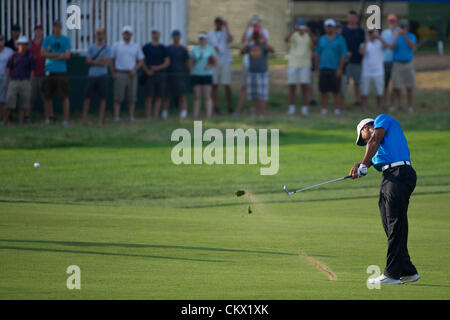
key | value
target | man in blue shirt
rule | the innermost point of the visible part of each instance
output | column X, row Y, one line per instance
column 403, row 72
column 388, row 36
column 330, row 57
column 156, row 63
column 56, row 50
column 98, row 59
column 387, row 150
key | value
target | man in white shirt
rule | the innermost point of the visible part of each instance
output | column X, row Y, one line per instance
column 372, row 67
column 127, row 58
column 5, row 53
column 219, row 38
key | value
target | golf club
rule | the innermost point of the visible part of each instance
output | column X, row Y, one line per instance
column 316, row 185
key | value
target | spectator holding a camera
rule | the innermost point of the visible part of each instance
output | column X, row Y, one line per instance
column 403, row 72
column 301, row 44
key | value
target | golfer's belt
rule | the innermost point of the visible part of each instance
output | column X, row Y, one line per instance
column 396, row 164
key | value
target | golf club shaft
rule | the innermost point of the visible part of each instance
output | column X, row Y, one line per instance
column 320, row 184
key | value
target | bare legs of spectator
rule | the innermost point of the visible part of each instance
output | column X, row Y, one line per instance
column 148, row 107
column 337, row 105
column 242, row 98
column 7, row 113
column 198, row 100
column 116, row 110
column 182, row 102
column 228, row 96
column 259, row 106
column 392, row 97
column 357, row 93
column 48, row 109
column 208, row 100
column 131, row 107
column 66, row 110
column 410, row 98
column 101, row 110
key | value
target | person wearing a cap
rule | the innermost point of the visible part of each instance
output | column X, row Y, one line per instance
column 56, row 50
column 19, row 76
column 128, row 58
column 301, row 44
column 258, row 75
column 35, row 49
column 403, row 73
column 388, row 35
column 354, row 37
column 246, row 38
column 387, row 151
column 219, row 39
column 177, row 71
column 203, row 58
column 156, row 63
column 5, row 53
column 15, row 34
column 330, row 55
column 98, row 58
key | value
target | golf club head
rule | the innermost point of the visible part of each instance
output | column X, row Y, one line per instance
column 286, row 189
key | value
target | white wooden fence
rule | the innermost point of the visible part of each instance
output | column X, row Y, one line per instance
column 142, row 15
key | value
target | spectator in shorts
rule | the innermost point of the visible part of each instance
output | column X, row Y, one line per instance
column 247, row 37
column 372, row 67
column 56, row 50
column 258, row 76
column 15, row 34
column 5, row 53
column 156, row 63
column 403, row 72
column 203, row 58
column 219, row 38
column 179, row 63
column 128, row 59
column 354, row 37
column 301, row 44
column 98, row 59
column 35, row 49
column 330, row 58
column 20, row 70
column 388, row 35
column 343, row 82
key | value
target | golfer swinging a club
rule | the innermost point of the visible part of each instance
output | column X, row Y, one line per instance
column 387, row 150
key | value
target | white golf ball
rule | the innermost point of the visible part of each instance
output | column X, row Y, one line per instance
column 37, row 165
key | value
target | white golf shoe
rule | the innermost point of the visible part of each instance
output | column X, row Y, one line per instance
column 383, row 280
column 412, row 278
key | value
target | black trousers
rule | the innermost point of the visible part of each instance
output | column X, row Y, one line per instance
column 396, row 187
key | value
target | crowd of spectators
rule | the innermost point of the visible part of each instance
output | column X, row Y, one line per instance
column 368, row 58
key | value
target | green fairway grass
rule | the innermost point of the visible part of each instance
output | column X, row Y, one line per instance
column 110, row 201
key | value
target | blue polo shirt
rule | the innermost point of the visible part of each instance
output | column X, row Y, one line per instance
column 331, row 51
column 402, row 51
column 56, row 45
column 393, row 147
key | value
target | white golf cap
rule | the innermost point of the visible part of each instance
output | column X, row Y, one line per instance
column 128, row 29
column 202, row 35
column 361, row 124
column 329, row 22
column 22, row 40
